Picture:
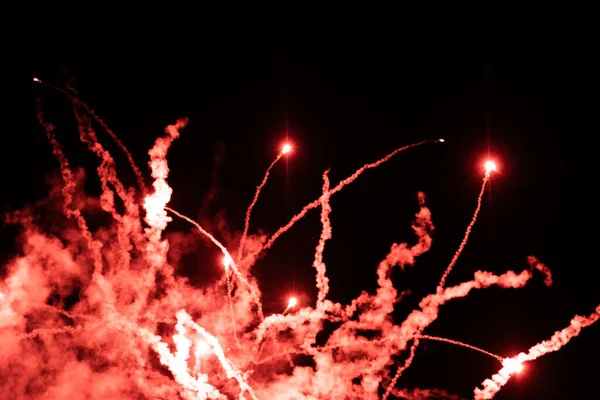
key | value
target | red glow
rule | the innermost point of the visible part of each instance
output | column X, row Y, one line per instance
column 490, row 166
column 286, row 148
column 227, row 261
column 292, row 302
column 113, row 314
column 515, row 366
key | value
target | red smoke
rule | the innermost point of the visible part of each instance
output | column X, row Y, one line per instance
column 101, row 313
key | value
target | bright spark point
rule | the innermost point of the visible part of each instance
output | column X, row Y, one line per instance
column 513, row 365
column 227, row 261
column 490, row 166
column 292, row 302
column 286, row 148
column 441, row 140
column 36, row 80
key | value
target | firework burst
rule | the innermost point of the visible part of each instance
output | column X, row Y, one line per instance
column 100, row 313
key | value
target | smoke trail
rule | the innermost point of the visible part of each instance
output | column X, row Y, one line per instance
column 336, row 189
column 68, row 192
column 155, row 203
column 400, row 255
column 534, row 263
column 240, row 252
column 104, row 126
column 407, row 364
column 418, row 320
column 230, row 370
column 513, row 365
column 68, row 189
column 128, row 224
column 52, row 331
column 467, row 233
column 322, row 307
column 232, row 264
column 424, row 394
column 443, row 280
column 456, row 342
column 232, row 313
column 219, row 150
column 193, row 388
column 322, row 280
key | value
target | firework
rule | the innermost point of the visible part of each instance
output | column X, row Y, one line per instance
column 102, row 312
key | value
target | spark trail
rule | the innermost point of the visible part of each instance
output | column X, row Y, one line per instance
column 457, row 343
column 285, row 150
column 489, row 169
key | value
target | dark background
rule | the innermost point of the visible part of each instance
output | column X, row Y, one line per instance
column 348, row 86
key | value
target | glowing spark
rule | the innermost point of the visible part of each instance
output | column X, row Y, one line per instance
column 286, row 148
column 512, row 365
column 227, row 261
column 292, row 302
column 490, row 166
column 441, row 140
column 36, row 80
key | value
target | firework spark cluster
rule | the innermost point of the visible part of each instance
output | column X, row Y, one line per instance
column 97, row 310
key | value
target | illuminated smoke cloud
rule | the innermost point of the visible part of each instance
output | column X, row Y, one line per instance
column 93, row 304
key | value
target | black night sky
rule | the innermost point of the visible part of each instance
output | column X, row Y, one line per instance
column 348, row 87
